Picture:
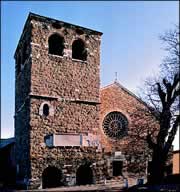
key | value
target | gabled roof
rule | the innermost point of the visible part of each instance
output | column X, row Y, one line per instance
column 6, row 142
column 116, row 83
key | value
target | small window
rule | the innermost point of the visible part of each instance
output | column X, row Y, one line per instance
column 45, row 110
column 79, row 50
column 56, row 44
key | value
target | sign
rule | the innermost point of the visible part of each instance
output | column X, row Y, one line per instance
column 89, row 140
column 66, row 140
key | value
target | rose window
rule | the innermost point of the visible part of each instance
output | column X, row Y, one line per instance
column 115, row 125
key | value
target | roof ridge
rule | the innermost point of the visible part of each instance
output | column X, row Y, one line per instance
column 126, row 90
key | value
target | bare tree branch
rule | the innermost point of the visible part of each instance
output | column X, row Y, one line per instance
column 162, row 95
column 172, row 135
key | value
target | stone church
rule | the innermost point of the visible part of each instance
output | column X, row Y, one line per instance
column 68, row 130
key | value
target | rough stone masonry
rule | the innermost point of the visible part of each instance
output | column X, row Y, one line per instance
column 64, row 136
column 70, row 90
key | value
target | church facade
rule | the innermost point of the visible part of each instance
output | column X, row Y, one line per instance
column 69, row 131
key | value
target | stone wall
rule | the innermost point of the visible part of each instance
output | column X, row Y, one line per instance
column 61, row 75
column 117, row 98
column 22, row 145
column 68, row 160
column 22, row 105
column 114, row 98
column 69, row 86
column 70, row 81
column 68, row 117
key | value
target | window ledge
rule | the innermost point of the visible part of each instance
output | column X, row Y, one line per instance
column 78, row 60
column 59, row 56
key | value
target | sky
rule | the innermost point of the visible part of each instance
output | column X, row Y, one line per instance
column 130, row 43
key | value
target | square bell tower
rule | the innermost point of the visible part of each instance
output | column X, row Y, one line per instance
column 56, row 99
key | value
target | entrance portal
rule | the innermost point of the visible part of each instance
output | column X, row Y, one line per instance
column 51, row 177
column 117, row 168
column 84, row 175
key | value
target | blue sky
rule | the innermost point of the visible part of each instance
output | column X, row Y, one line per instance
column 130, row 44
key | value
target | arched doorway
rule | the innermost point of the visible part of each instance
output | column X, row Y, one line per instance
column 84, row 175
column 51, row 177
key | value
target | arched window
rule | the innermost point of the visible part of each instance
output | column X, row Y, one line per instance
column 56, row 44
column 45, row 110
column 79, row 50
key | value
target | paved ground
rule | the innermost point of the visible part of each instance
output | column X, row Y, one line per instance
column 86, row 188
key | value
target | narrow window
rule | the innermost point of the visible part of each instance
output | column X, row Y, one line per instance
column 56, row 44
column 79, row 50
column 45, row 110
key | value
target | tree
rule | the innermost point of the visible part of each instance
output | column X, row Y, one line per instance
column 168, row 123
column 170, row 64
column 162, row 96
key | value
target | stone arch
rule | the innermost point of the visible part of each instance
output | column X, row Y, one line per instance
column 84, row 175
column 51, row 177
column 56, row 44
column 79, row 50
column 46, row 109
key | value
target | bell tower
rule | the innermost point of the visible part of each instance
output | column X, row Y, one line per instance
column 56, row 100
